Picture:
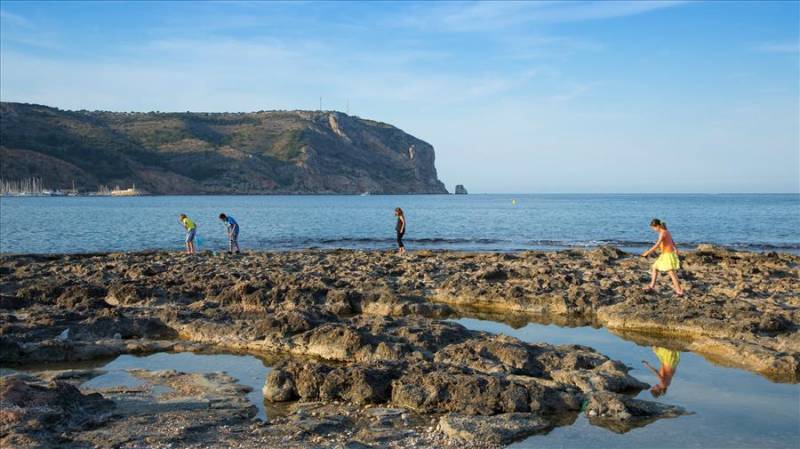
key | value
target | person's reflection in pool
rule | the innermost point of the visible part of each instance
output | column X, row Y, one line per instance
column 669, row 359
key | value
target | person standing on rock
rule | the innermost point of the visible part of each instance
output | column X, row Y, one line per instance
column 401, row 230
column 668, row 261
column 191, row 230
column 233, row 232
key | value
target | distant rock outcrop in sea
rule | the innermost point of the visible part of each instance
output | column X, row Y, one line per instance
column 461, row 190
column 261, row 152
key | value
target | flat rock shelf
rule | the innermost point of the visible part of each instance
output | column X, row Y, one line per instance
column 360, row 348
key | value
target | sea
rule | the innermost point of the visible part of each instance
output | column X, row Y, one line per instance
column 497, row 222
column 730, row 408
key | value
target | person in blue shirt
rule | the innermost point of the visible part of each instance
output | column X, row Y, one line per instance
column 233, row 232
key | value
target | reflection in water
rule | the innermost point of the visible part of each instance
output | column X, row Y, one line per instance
column 669, row 359
column 734, row 409
column 518, row 319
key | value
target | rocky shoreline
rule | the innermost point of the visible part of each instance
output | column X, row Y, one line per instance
column 361, row 355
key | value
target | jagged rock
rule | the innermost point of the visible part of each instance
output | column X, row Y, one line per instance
column 357, row 384
column 320, row 426
column 499, row 429
column 621, row 414
column 610, row 376
column 279, row 386
column 495, row 274
column 475, row 394
column 604, row 254
column 461, row 190
column 34, row 412
column 358, row 325
column 496, row 354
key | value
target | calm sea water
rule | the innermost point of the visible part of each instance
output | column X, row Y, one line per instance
column 471, row 222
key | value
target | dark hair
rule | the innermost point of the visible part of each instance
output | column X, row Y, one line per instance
column 658, row 223
column 183, row 215
column 658, row 392
column 222, row 216
column 399, row 211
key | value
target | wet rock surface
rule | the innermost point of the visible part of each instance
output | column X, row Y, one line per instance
column 621, row 414
column 361, row 331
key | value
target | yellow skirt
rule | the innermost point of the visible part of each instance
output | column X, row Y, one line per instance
column 667, row 262
column 667, row 357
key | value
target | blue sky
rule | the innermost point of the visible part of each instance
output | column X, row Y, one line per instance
column 515, row 97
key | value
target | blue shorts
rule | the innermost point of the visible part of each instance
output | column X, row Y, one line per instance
column 190, row 235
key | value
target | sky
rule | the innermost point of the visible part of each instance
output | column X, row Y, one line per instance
column 517, row 97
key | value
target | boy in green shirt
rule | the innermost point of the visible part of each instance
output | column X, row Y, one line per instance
column 191, row 229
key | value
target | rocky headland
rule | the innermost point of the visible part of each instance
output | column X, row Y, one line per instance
column 264, row 152
column 361, row 354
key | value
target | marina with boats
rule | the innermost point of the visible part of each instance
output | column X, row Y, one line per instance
column 35, row 186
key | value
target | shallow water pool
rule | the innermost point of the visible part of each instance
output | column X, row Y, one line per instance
column 732, row 408
column 247, row 369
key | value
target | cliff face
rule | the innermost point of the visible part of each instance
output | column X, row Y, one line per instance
column 185, row 153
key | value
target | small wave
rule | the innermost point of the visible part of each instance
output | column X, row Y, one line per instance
column 494, row 244
column 367, row 240
column 586, row 243
column 764, row 246
column 749, row 246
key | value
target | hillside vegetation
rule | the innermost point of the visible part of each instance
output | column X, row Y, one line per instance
column 207, row 153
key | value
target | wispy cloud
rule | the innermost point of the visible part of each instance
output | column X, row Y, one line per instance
column 532, row 46
column 237, row 74
column 14, row 19
column 778, row 47
column 485, row 16
column 17, row 29
column 573, row 91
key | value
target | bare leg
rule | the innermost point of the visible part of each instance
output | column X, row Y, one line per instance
column 676, row 284
column 653, row 279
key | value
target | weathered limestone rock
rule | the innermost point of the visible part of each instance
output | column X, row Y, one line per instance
column 621, row 414
column 469, row 393
column 279, row 386
column 362, row 329
column 498, row 429
column 33, row 412
column 357, row 384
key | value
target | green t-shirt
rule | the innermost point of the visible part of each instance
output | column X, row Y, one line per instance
column 188, row 224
